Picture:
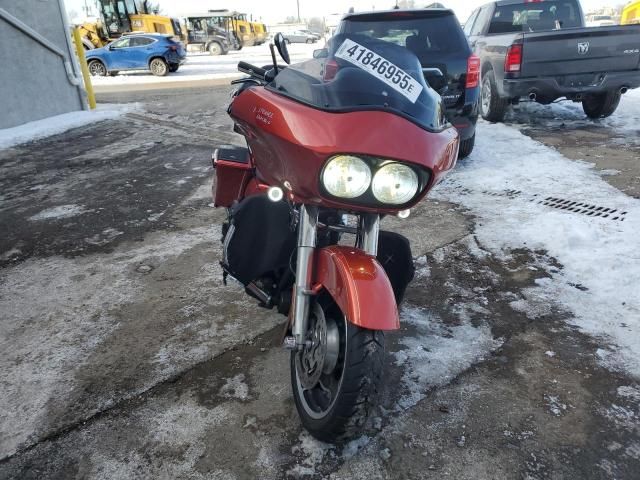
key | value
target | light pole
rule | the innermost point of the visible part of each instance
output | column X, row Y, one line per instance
column 298, row 3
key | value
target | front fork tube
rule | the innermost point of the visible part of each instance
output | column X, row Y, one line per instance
column 368, row 231
column 307, row 227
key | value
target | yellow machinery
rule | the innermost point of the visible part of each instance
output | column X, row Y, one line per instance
column 244, row 29
column 238, row 24
column 631, row 14
column 260, row 30
column 118, row 17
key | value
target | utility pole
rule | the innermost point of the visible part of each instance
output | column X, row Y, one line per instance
column 298, row 2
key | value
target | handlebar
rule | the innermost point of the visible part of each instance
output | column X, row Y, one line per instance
column 252, row 70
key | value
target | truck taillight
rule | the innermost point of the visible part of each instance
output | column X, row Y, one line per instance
column 473, row 71
column 513, row 61
column 330, row 70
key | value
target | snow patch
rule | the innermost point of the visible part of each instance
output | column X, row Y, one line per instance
column 598, row 255
column 437, row 353
column 61, row 211
column 235, row 388
column 10, row 137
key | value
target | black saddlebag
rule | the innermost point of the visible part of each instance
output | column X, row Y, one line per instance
column 394, row 254
column 258, row 239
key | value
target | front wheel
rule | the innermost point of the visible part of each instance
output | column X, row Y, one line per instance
column 601, row 105
column 97, row 68
column 215, row 49
column 337, row 376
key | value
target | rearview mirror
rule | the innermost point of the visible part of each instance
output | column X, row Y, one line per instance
column 321, row 53
column 281, row 45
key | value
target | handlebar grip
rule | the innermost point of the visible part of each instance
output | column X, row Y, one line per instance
column 245, row 67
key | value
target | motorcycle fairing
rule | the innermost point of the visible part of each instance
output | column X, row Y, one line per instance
column 359, row 285
column 310, row 136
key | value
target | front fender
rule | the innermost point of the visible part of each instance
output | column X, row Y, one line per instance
column 359, row 285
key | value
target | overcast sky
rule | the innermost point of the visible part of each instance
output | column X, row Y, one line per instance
column 277, row 10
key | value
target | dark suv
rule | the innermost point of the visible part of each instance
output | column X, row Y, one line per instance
column 434, row 35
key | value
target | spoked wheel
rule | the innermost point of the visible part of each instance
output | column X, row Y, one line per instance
column 97, row 68
column 336, row 377
column 159, row 67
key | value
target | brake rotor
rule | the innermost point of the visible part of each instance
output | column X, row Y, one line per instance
column 320, row 355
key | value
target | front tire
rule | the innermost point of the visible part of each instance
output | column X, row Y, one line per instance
column 336, row 405
column 159, row 67
column 492, row 107
column 97, row 68
column 601, row 105
column 215, row 49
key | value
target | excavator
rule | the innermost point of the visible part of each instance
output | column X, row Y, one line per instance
column 118, row 17
column 631, row 14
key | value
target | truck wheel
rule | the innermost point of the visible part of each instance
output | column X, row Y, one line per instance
column 601, row 105
column 492, row 106
column 336, row 379
column 466, row 147
column 215, row 48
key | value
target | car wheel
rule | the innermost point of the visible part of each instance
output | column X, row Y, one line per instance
column 309, row 40
column 466, row 147
column 492, row 106
column 173, row 67
column 97, row 68
column 159, row 67
column 215, row 49
column 601, row 105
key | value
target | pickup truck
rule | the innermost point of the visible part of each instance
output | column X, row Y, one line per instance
column 541, row 50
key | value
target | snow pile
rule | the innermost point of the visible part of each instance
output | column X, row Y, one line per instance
column 31, row 131
column 600, row 279
column 626, row 119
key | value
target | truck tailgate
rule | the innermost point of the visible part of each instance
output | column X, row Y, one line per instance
column 581, row 50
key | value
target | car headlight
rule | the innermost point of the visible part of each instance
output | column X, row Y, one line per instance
column 395, row 183
column 346, row 176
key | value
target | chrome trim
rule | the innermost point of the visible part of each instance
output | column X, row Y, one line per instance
column 369, row 230
column 307, row 227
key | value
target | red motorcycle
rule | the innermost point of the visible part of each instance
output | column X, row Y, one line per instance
column 333, row 144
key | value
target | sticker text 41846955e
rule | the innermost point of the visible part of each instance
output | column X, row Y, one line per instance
column 380, row 68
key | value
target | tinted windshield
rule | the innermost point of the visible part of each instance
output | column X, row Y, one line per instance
column 429, row 35
column 533, row 17
column 364, row 73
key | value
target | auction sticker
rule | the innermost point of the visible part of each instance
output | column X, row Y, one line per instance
column 380, row 68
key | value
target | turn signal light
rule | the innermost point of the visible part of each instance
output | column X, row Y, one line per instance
column 473, row 71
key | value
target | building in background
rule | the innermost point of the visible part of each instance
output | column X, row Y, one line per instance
column 40, row 76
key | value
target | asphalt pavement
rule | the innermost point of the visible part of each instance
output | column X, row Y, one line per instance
column 124, row 355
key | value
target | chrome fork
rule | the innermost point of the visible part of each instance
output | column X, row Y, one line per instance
column 368, row 231
column 307, row 227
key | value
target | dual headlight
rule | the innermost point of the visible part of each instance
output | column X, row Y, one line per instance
column 346, row 176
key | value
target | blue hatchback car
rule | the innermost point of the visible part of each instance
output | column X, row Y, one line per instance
column 150, row 51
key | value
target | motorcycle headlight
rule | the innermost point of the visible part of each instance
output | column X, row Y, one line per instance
column 395, row 183
column 346, row 176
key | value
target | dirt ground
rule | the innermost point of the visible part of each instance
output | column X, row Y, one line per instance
column 124, row 356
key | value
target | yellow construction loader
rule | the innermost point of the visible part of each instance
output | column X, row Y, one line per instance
column 118, row 17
